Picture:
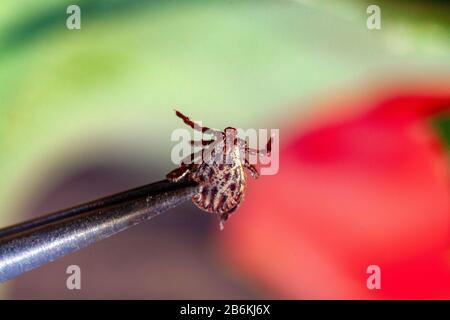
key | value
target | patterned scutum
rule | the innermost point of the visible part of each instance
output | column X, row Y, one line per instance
column 222, row 185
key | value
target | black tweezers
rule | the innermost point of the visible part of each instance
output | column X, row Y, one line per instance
column 33, row 243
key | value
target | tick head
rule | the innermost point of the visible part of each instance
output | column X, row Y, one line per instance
column 230, row 132
column 230, row 138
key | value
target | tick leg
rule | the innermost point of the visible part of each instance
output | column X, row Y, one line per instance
column 224, row 217
column 269, row 146
column 192, row 124
column 190, row 158
column 264, row 152
column 201, row 142
column 253, row 171
column 178, row 173
column 182, row 171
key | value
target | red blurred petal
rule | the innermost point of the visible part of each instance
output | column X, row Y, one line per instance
column 367, row 189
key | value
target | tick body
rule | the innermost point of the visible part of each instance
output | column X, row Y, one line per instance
column 220, row 172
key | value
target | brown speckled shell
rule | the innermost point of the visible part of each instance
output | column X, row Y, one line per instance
column 222, row 186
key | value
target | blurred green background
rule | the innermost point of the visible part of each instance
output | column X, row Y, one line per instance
column 77, row 101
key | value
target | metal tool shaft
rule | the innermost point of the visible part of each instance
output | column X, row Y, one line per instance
column 29, row 245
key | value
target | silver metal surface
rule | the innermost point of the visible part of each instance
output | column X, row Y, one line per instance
column 34, row 243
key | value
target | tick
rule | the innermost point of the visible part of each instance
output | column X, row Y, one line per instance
column 220, row 172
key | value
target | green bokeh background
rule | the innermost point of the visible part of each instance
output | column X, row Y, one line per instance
column 68, row 96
